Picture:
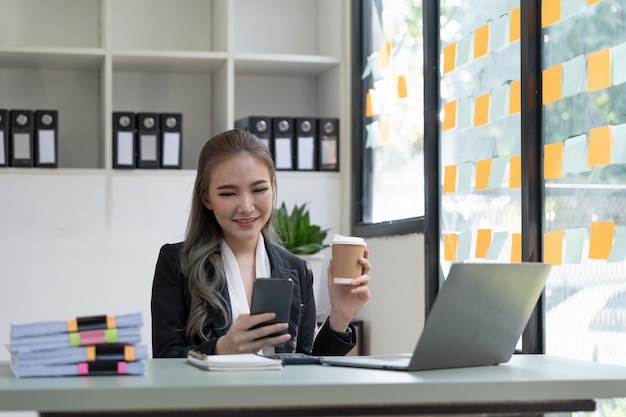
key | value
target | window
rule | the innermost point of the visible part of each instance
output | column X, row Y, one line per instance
column 389, row 120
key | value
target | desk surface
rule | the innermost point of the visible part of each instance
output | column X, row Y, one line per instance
column 173, row 384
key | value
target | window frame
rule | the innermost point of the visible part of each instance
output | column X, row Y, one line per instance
column 361, row 164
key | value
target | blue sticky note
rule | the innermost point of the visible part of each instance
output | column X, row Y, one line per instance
column 574, row 241
column 618, row 151
column 463, row 246
column 464, row 113
column 465, row 176
column 372, row 130
column 618, row 252
column 499, row 102
column 570, row 7
column 463, row 49
column 498, row 35
column 372, row 61
column 618, row 59
column 574, row 76
column 575, row 155
column 498, row 167
column 497, row 242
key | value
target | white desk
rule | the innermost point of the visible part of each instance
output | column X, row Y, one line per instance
column 527, row 383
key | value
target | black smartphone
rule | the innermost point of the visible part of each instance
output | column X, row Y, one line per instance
column 272, row 295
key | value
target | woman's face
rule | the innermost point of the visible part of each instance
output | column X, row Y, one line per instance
column 241, row 195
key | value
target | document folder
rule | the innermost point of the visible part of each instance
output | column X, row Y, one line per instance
column 283, row 143
column 306, row 144
column 328, row 129
column 259, row 126
column 124, row 140
column 171, row 140
column 148, row 152
column 4, row 138
column 46, row 138
column 21, row 138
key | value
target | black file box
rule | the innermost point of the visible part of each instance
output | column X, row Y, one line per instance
column 328, row 134
column 283, row 137
column 148, row 152
column 46, row 139
column 171, row 140
column 21, row 138
column 306, row 143
column 124, row 138
column 259, row 126
column 4, row 138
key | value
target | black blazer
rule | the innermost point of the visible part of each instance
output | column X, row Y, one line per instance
column 171, row 301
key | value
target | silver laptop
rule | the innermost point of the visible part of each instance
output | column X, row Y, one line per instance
column 476, row 320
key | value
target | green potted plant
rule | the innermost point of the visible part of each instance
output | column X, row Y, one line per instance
column 305, row 240
column 296, row 231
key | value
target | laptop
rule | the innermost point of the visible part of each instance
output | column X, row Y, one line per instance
column 477, row 319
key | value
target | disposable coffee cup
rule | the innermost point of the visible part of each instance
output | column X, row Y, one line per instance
column 346, row 252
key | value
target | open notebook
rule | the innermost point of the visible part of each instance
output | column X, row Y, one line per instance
column 477, row 319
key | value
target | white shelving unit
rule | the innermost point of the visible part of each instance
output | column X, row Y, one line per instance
column 85, row 228
column 212, row 60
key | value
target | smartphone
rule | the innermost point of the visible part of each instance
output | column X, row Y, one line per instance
column 272, row 295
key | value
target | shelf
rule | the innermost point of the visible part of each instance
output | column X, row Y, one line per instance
column 51, row 57
column 163, row 61
column 214, row 61
column 280, row 64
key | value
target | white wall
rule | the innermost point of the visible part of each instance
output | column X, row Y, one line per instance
column 81, row 243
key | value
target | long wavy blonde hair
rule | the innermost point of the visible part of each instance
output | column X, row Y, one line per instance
column 201, row 260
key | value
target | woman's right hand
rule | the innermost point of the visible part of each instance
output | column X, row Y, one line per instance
column 241, row 338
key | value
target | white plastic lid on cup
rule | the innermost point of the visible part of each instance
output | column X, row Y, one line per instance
column 348, row 240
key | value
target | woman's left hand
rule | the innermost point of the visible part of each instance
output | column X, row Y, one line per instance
column 347, row 300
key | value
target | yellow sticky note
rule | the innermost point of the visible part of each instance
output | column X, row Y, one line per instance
column 599, row 151
column 449, row 115
column 601, row 240
column 515, row 172
column 481, row 41
column 483, row 241
column 599, row 70
column 516, row 247
column 369, row 106
column 481, row 110
column 449, row 179
column 553, row 247
column 592, row 2
column 515, row 97
column 384, row 55
column 553, row 161
column 383, row 137
column 449, row 58
column 483, row 170
column 402, row 88
column 449, row 246
column 516, row 21
column 552, row 84
column 550, row 12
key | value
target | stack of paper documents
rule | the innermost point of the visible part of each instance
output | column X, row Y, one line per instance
column 241, row 362
column 95, row 345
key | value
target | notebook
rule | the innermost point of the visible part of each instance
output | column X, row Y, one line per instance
column 476, row 320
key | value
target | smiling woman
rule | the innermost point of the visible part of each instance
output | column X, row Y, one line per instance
column 202, row 287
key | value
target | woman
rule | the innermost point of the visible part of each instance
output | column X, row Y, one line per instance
column 202, row 286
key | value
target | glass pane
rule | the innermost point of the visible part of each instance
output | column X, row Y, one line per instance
column 394, row 121
column 480, row 131
column 585, row 169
